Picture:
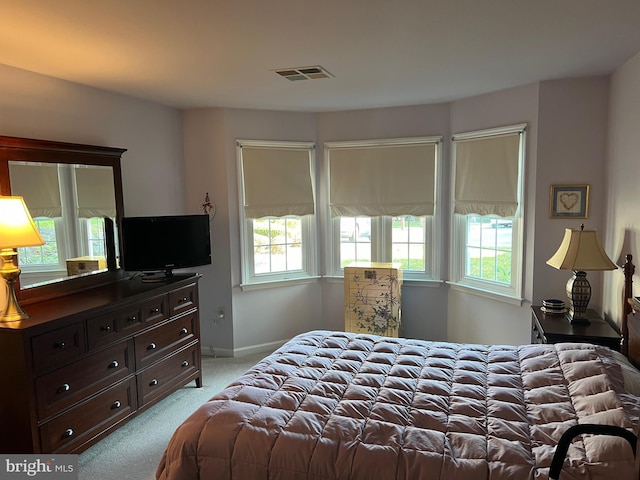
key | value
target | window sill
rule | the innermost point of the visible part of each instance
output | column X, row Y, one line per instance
column 486, row 293
column 277, row 283
column 412, row 282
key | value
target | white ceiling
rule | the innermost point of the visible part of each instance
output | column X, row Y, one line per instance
column 221, row 53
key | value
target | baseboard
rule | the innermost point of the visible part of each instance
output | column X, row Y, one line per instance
column 265, row 348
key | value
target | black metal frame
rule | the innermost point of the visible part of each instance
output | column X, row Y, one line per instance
column 572, row 432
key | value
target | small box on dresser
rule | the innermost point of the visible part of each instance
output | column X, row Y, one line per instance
column 372, row 298
column 84, row 363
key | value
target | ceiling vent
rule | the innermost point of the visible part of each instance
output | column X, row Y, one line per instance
column 303, row 73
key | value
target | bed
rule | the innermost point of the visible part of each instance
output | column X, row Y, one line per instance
column 336, row 405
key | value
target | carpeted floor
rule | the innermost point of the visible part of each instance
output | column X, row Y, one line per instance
column 133, row 451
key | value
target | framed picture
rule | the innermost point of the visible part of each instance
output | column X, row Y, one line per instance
column 569, row 201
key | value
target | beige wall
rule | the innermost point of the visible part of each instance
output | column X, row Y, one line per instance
column 174, row 158
column 622, row 216
column 37, row 106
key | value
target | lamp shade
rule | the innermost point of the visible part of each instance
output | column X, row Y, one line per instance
column 581, row 250
column 17, row 228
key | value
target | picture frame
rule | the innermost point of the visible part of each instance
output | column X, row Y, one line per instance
column 569, row 201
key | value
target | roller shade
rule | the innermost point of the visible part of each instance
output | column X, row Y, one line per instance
column 382, row 180
column 277, row 182
column 486, row 175
column 38, row 184
column 95, row 189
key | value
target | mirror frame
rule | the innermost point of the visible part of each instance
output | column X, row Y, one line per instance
column 45, row 151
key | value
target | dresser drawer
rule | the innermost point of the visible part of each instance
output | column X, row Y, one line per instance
column 111, row 328
column 61, row 388
column 68, row 431
column 154, row 344
column 121, row 323
column 168, row 373
column 54, row 348
column 183, row 299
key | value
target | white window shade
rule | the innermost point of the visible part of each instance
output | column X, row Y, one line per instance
column 277, row 182
column 38, row 184
column 94, row 187
column 382, row 180
column 486, row 175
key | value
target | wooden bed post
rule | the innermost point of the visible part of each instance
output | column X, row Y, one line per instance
column 629, row 270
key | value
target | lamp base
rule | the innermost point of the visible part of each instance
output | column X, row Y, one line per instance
column 10, row 272
column 579, row 293
column 578, row 320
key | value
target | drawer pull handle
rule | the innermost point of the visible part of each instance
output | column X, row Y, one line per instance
column 113, row 364
column 68, row 433
column 185, row 364
column 132, row 319
column 64, row 388
column 184, row 300
column 153, row 383
column 60, row 345
column 184, row 331
column 152, row 346
column 105, row 328
column 115, row 405
column 155, row 310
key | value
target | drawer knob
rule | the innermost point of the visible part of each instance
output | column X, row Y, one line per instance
column 155, row 310
column 60, row 345
column 152, row 346
column 185, row 364
column 153, row 383
column 68, row 433
column 64, row 388
column 132, row 319
column 113, row 364
column 184, row 331
column 184, row 300
column 116, row 405
column 105, row 328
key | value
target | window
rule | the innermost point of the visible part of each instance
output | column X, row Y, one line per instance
column 43, row 255
column 487, row 200
column 278, row 210
column 382, row 198
column 95, row 241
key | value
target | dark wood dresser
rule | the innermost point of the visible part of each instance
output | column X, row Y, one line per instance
column 555, row 328
column 84, row 363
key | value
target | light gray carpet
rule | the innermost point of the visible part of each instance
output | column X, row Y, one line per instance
column 133, row 451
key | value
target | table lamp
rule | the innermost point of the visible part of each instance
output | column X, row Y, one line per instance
column 17, row 229
column 580, row 251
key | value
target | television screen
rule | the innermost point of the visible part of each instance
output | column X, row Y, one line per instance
column 165, row 243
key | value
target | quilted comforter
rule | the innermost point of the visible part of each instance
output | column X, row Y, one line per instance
column 335, row 405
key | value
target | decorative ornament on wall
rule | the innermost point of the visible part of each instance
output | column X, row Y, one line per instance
column 208, row 207
column 569, row 201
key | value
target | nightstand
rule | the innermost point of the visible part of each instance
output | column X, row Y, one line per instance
column 554, row 328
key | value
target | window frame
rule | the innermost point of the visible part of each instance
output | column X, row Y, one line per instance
column 381, row 234
column 249, row 278
column 511, row 293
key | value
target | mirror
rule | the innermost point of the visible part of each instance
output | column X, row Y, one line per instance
column 71, row 191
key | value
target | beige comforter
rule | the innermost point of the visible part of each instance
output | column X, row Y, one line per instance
column 335, row 405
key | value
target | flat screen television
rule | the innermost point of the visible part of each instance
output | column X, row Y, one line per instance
column 161, row 244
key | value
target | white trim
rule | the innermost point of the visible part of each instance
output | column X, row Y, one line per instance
column 489, row 132
column 274, row 144
column 512, row 292
column 486, row 293
column 260, row 285
column 266, row 348
column 387, row 141
column 433, row 224
column 308, row 224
